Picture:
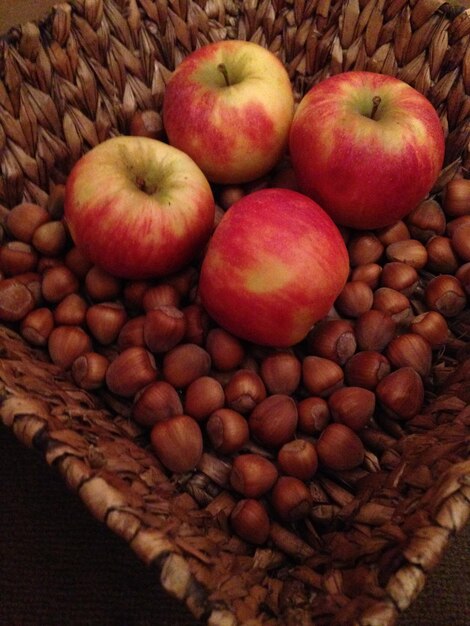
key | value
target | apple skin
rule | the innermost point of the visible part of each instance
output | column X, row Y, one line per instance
column 235, row 133
column 366, row 173
column 273, row 267
column 138, row 208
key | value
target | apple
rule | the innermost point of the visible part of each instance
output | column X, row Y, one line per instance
column 138, row 208
column 367, row 147
column 229, row 105
column 273, row 267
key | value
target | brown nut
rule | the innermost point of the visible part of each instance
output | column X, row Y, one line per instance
column 321, row 376
column 432, row 326
column 132, row 333
column 17, row 257
column 352, row 406
column 332, row 339
column 202, row 397
column 184, row 363
column 365, row 369
column 226, row 350
column 105, row 321
column 244, row 391
column 252, row 475
column 394, row 303
column 442, row 257
column 227, row 430
column 89, row 370
column 364, row 248
column 156, row 402
column 50, row 238
column 410, row 350
column 177, row 443
column 102, row 286
column 401, row 393
column 456, row 197
column 374, row 330
column 16, row 300
column 281, row 372
column 67, row 343
column 23, row 219
column 298, row 458
column 314, row 415
column 37, row 325
column 162, row 294
column 291, row 499
column 77, row 262
column 273, row 421
column 339, row 448
column 395, row 232
column 147, row 123
column 445, row 295
column 250, row 521
column 368, row 273
column 355, row 298
column 58, row 282
column 131, row 371
column 71, row 311
column 400, row 277
column 409, row 251
column 164, row 328
column 426, row 220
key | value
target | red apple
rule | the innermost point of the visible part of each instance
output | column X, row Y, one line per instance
column 273, row 267
column 229, row 105
column 367, row 147
column 138, row 208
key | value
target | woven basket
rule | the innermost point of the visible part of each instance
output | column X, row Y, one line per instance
column 366, row 550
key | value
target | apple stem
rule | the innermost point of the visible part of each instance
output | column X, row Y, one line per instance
column 376, row 100
column 222, row 68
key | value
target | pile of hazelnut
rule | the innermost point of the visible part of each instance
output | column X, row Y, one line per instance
column 277, row 416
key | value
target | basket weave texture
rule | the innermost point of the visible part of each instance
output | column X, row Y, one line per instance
column 364, row 554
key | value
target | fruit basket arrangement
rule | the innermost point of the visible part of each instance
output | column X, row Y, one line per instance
column 336, row 508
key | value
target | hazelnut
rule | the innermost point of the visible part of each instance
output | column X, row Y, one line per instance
column 244, row 391
column 105, row 321
column 410, row 350
column 177, row 443
column 401, row 393
column 339, row 448
column 252, row 475
column 273, row 421
column 164, row 328
column 298, row 458
column 89, row 370
column 202, row 397
column 281, row 372
column 156, row 402
column 352, row 406
column 291, row 499
column 321, row 376
column 226, row 350
column 314, row 415
column 67, row 343
column 130, row 371
column 227, row 430
column 250, row 521
column 184, row 363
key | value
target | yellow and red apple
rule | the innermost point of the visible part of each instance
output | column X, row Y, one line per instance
column 367, row 147
column 138, row 208
column 229, row 106
column 273, row 267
